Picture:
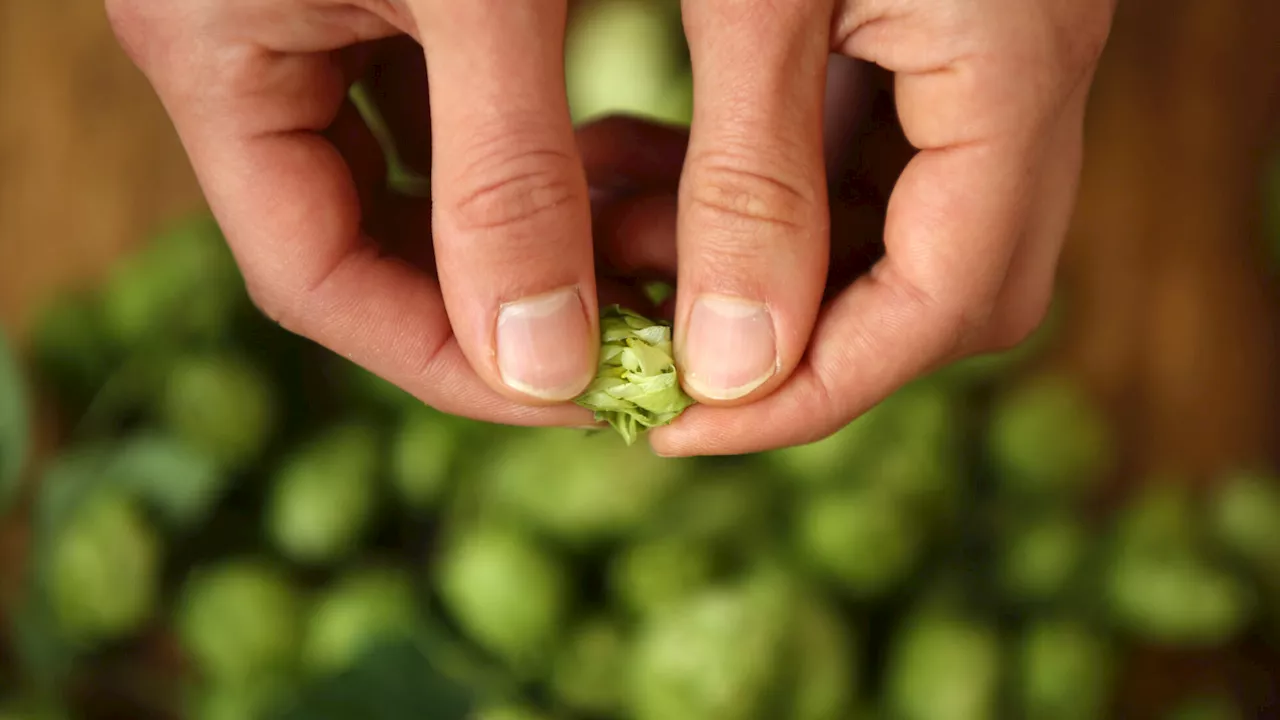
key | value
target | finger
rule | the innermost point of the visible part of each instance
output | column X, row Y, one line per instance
column 512, row 218
column 1027, row 293
column 753, row 214
column 252, row 122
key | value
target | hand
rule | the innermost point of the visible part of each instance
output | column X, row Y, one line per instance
column 499, row 320
column 992, row 95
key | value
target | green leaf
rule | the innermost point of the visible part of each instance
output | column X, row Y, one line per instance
column 15, row 424
column 394, row 681
column 636, row 386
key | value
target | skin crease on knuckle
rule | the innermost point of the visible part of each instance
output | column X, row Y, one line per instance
column 516, row 192
column 740, row 188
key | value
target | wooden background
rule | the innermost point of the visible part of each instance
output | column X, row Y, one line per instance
column 1173, row 319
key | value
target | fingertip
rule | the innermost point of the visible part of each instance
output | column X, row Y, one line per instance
column 545, row 345
column 729, row 349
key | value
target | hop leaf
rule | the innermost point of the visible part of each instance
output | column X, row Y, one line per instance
column 636, row 386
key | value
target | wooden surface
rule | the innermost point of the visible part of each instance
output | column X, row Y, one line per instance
column 1173, row 321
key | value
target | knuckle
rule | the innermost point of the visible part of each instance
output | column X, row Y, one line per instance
column 273, row 305
column 1014, row 324
column 516, row 190
column 731, row 192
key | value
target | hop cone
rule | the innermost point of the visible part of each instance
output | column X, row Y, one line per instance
column 636, row 386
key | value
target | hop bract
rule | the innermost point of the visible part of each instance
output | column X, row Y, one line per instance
column 636, row 386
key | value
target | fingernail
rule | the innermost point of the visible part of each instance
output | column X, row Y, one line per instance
column 730, row 347
column 544, row 345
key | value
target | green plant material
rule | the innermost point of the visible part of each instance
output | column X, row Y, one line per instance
column 862, row 538
column 185, row 284
column 1047, row 439
column 588, row 672
column 508, row 594
column 1245, row 520
column 423, row 455
column 658, row 291
column 578, row 488
column 825, row 664
column 1040, row 556
column 401, row 177
column 621, row 57
column 509, row 712
column 370, row 606
column 676, row 104
column 182, row 486
column 908, row 445
column 325, row 496
column 221, row 405
column 1161, row 583
column 1065, row 672
column 1207, row 707
column 715, row 655
column 721, row 507
column 757, row 649
column 394, row 681
column 239, row 701
column 636, row 386
column 104, row 571
column 70, row 348
column 943, row 667
column 655, row 572
column 15, row 425
column 241, row 622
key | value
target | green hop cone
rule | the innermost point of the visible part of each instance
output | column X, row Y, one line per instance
column 1048, row 439
column 944, row 667
column 620, row 57
column 241, row 621
column 423, row 453
column 1065, row 672
column 507, row 593
column 238, row 701
column 1163, row 583
column 185, row 283
column 761, row 648
column 658, row 571
column 587, row 672
column 862, row 538
column 222, row 405
column 636, row 386
column 325, row 498
column 716, row 654
column 372, row 605
column 105, row 570
column 1041, row 555
column 1245, row 520
column 578, row 489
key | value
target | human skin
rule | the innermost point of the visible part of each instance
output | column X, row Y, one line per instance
column 484, row 301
